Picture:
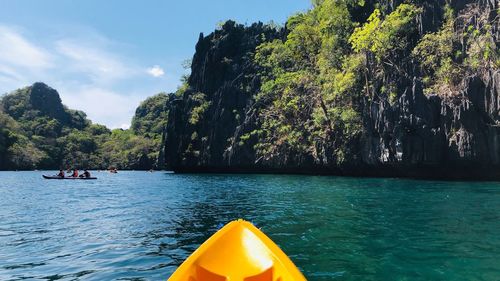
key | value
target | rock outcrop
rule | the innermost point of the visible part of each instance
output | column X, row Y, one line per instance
column 223, row 77
column 41, row 100
column 429, row 135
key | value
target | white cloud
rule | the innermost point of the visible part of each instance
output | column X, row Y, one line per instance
column 97, row 64
column 15, row 50
column 91, row 72
column 20, row 59
column 156, row 71
column 9, row 74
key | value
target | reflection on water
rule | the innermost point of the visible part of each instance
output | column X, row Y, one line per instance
column 141, row 226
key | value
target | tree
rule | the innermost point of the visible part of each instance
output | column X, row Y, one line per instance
column 384, row 37
column 151, row 116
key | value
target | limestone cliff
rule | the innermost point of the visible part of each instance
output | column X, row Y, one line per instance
column 429, row 134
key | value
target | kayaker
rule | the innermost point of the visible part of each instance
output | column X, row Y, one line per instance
column 85, row 174
column 61, row 174
column 75, row 173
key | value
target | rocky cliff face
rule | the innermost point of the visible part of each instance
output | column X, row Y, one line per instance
column 203, row 121
column 431, row 135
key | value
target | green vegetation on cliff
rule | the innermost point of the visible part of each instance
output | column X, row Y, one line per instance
column 463, row 46
column 151, row 116
column 314, row 80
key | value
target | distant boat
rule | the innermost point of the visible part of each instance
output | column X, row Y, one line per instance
column 66, row 178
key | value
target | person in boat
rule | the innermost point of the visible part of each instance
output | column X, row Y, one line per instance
column 85, row 174
column 61, row 174
column 75, row 173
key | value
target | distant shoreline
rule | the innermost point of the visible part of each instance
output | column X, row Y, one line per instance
column 420, row 173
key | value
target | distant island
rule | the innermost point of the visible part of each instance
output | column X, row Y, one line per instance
column 358, row 88
column 38, row 132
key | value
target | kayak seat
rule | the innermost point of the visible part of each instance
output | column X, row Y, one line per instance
column 203, row 274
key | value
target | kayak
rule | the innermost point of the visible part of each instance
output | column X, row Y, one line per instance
column 66, row 178
column 239, row 251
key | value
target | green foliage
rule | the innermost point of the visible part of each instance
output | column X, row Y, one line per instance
column 335, row 27
column 8, row 136
column 97, row 129
column 363, row 38
column 16, row 103
column 384, row 36
column 285, row 119
column 182, row 88
column 435, row 51
column 309, row 85
column 448, row 55
column 151, row 117
column 434, row 48
column 24, row 155
column 125, row 150
column 201, row 106
column 344, row 83
column 78, row 149
column 480, row 45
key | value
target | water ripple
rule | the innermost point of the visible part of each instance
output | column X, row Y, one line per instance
column 141, row 226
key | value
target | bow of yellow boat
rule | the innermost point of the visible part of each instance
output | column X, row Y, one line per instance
column 238, row 252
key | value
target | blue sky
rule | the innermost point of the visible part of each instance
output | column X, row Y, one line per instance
column 105, row 56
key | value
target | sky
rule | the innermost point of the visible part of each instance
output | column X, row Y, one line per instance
column 105, row 56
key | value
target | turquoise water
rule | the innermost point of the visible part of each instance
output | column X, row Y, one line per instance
column 141, row 226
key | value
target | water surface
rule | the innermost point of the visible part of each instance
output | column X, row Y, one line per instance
column 141, row 226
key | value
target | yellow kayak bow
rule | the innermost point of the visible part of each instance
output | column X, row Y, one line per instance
column 238, row 252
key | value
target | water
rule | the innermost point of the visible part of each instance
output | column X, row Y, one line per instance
column 141, row 226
